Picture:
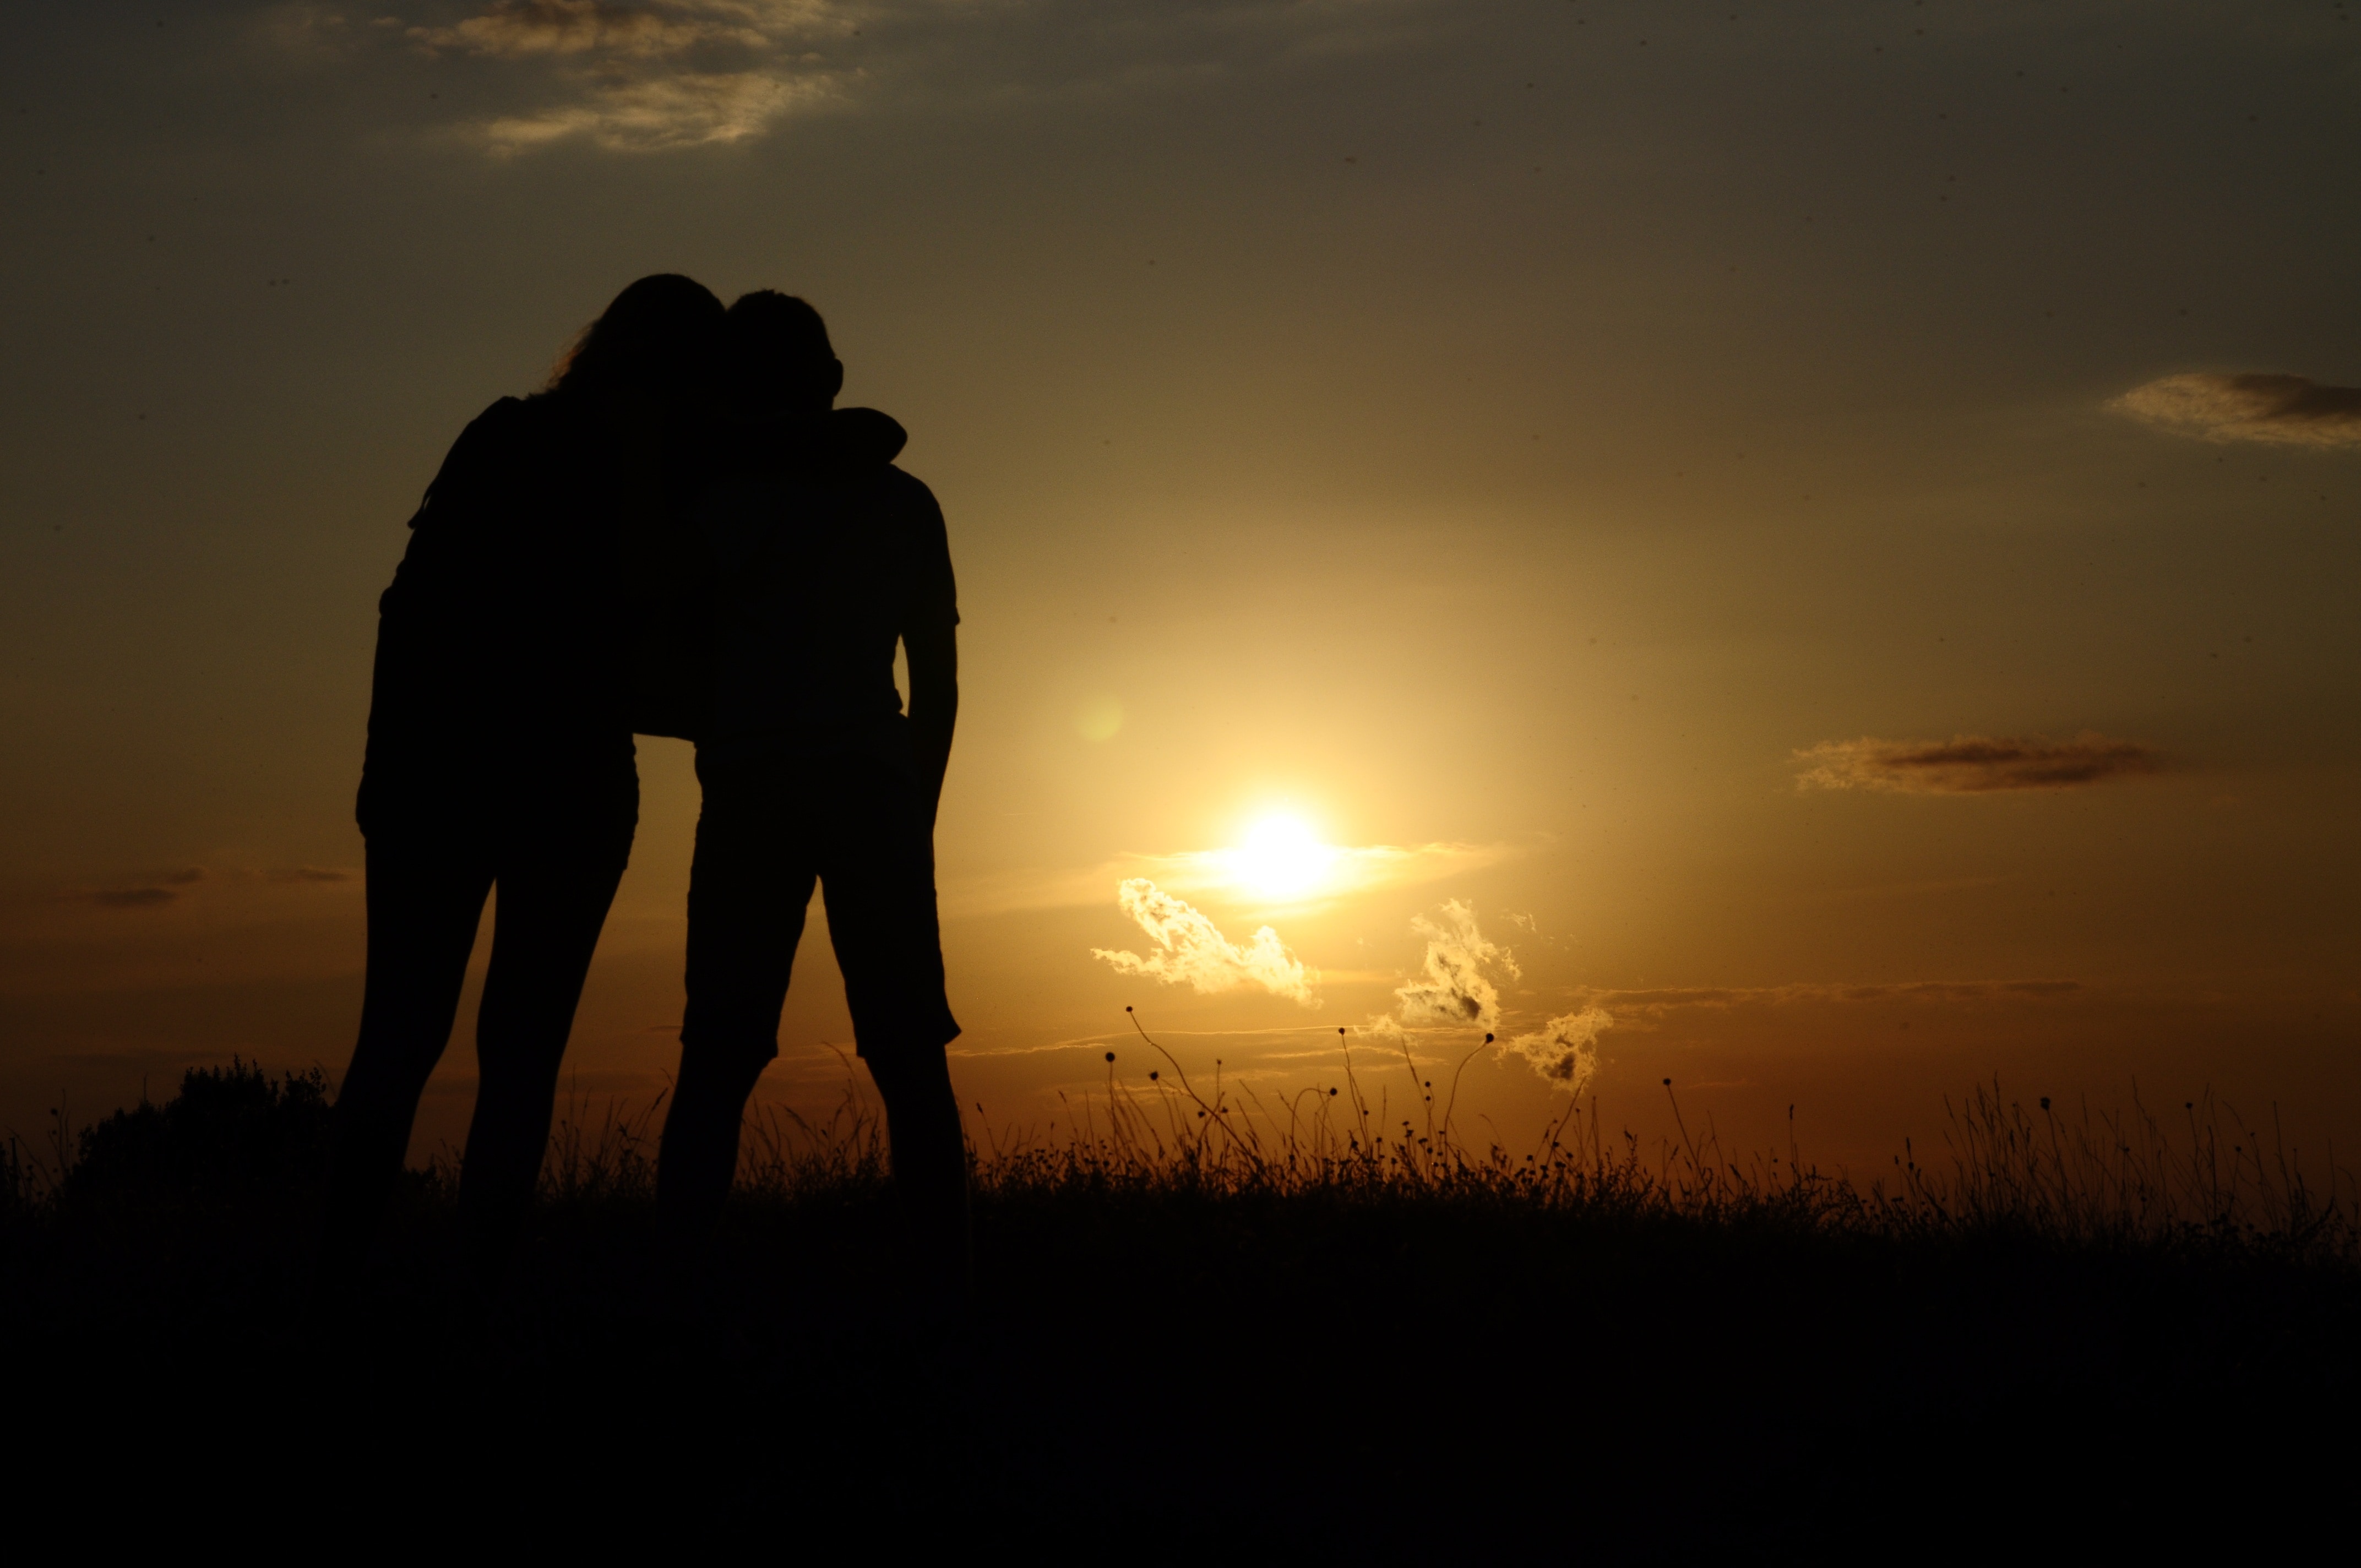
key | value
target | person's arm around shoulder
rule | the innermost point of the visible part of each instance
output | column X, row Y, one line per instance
column 930, row 642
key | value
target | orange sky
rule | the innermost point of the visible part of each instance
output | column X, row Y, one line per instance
column 1545, row 440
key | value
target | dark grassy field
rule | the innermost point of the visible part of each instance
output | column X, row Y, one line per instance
column 1236, row 1333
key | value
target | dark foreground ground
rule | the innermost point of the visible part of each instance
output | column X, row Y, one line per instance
column 1167, row 1372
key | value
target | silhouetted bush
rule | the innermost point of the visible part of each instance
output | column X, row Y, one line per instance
column 231, row 1133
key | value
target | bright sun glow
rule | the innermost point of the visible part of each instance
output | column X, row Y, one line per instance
column 1281, row 857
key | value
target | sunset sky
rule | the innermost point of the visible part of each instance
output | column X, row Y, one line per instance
column 1808, row 550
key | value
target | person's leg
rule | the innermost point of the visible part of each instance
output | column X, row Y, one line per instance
column 749, row 888
column 425, row 901
column 553, row 897
column 878, row 873
column 929, row 1150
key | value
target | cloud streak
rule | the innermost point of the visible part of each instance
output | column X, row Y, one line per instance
column 1972, row 764
column 1355, row 869
column 1189, row 950
column 513, row 28
column 2287, row 411
column 133, row 897
column 155, row 891
column 675, row 110
column 1656, row 1002
column 1348, row 868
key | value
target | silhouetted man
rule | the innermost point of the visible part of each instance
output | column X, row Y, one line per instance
column 824, row 556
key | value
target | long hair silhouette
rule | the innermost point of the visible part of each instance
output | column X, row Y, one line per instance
column 659, row 335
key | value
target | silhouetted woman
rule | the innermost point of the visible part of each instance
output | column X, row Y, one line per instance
column 500, row 752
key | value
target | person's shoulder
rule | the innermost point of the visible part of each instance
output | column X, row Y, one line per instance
column 509, row 418
column 907, row 491
column 490, row 444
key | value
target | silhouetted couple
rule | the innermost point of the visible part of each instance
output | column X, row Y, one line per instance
column 680, row 536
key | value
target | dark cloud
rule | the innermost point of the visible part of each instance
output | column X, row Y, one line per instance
column 589, row 26
column 1656, row 1003
column 133, row 897
column 161, row 889
column 1972, row 764
column 2290, row 410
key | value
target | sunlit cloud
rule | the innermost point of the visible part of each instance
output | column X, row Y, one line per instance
column 1566, row 1049
column 2289, row 410
column 667, row 112
column 1455, row 984
column 1458, row 988
column 647, row 77
column 640, row 76
column 1972, row 764
column 1189, row 950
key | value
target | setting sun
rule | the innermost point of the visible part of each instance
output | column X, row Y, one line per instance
column 1281, row 857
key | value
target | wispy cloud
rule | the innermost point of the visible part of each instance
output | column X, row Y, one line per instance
column 1455, row 985
column 1190, row 950
column 1972, row 764
column 680, row 110
column 649, row 76
column 2289, row 410
column 652, row 75
column 1458, row 987
column 1566, row 1049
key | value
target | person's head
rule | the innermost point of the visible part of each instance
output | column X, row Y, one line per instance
column 661, row 339
column 779, row 355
